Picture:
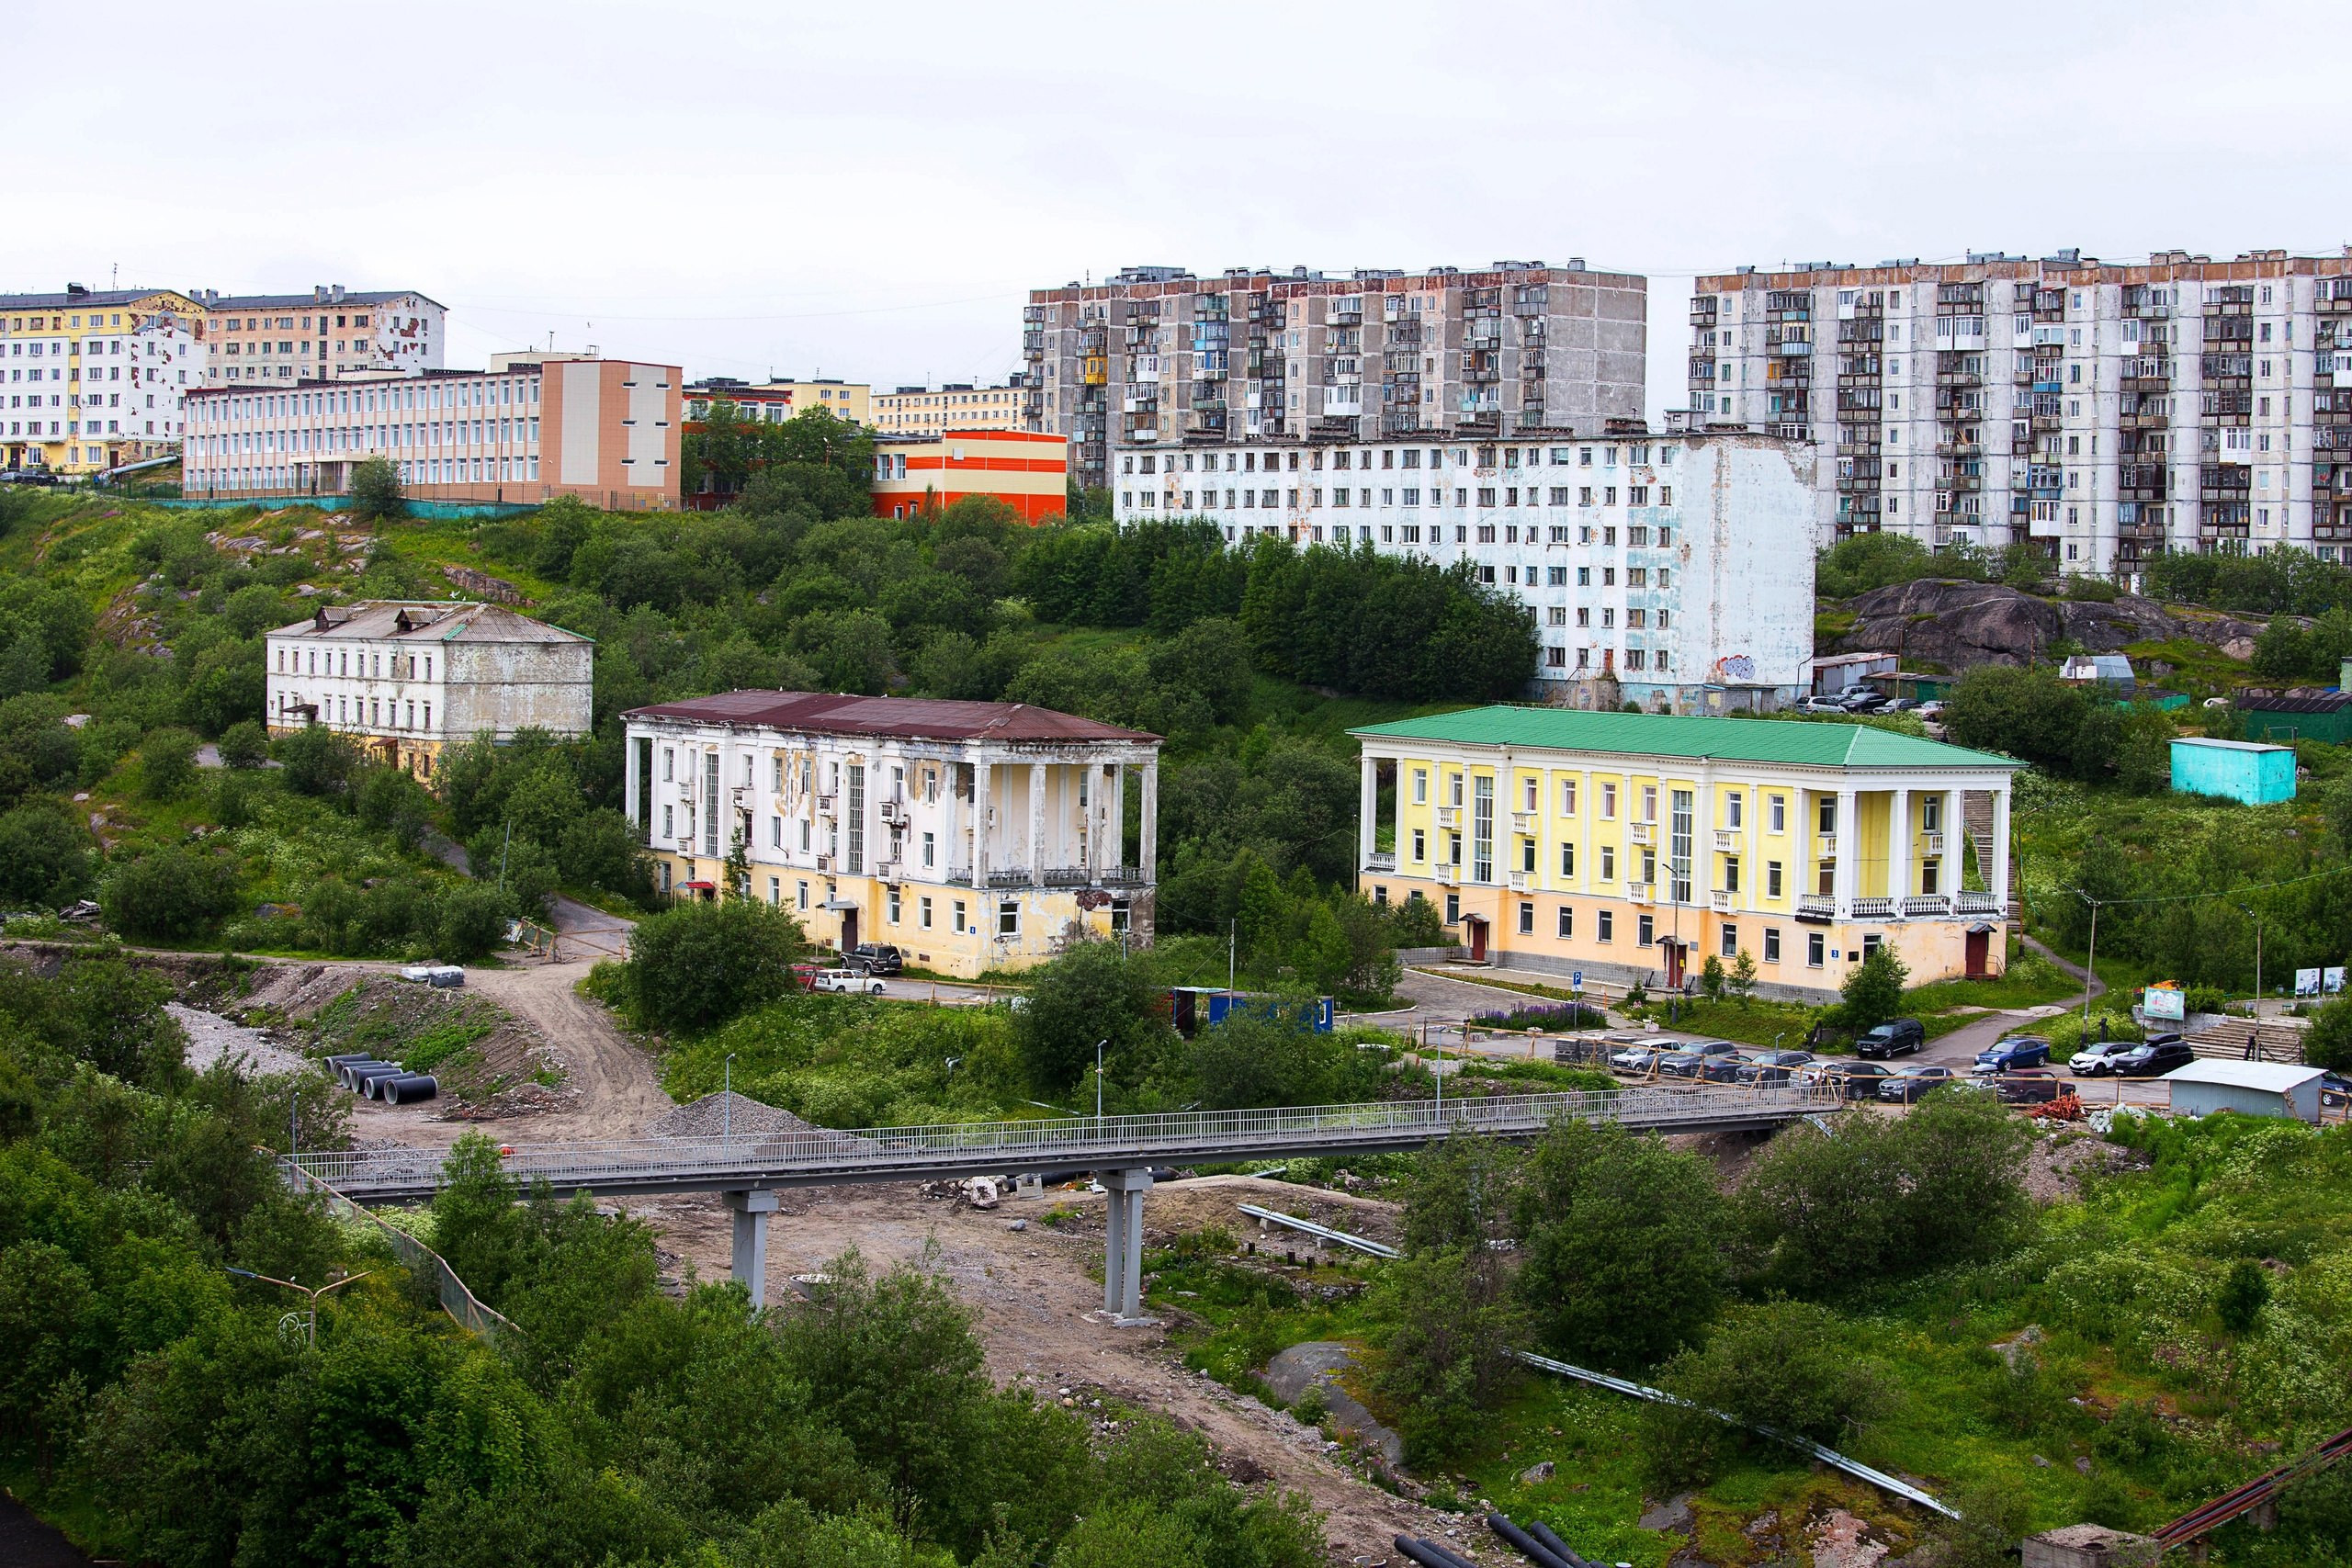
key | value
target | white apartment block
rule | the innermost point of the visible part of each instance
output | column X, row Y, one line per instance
column 2104, row 413
column 323, row 336
column 408, row 679
column 972, row 836
column 1674, row 571
column 1156, row 356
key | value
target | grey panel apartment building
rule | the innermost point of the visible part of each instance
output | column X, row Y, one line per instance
column 1156, row 355
column 2103, row 412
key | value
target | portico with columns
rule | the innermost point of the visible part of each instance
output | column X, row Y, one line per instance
column 971, row 836
column 1634, row 846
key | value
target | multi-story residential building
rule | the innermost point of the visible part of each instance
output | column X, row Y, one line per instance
column 972, row 836
column 958, row 405
column 409, row 680
column 1156, row 355
column 2103, row 412
column 332, row 332
column 772, row 402
column 1026, row 470
column 1631, row 847
column 94, row 379
column 530, row 428
column 1673, row 570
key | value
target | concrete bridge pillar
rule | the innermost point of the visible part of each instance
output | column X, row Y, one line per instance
column 751, row 1261
column 1122, row 1255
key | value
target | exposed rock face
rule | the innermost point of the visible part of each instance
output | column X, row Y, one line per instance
column 1958, row 624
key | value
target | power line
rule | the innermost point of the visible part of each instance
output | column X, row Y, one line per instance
column 2190, row 897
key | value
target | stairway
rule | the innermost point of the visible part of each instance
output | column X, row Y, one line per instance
column 1976, row 820
column 2227, row 1042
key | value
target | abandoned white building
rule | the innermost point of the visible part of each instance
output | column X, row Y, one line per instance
column 409, row 679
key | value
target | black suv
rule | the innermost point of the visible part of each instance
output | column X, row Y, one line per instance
column 874, row 958
column 1892, row 1038
column 2153, row 1059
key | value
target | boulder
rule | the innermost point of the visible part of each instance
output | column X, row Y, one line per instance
column 1957, row 625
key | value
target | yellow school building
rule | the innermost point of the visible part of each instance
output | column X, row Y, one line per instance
column 1626, row 847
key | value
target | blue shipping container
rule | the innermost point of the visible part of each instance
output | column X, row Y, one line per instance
column 2235, row 769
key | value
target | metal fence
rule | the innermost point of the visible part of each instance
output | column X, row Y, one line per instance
column 812, row 1155
column 459, row 1301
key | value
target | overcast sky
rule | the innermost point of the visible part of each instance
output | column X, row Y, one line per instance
column 868, row 190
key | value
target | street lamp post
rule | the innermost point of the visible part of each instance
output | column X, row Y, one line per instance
column 2248, row 910
column 310, row 1315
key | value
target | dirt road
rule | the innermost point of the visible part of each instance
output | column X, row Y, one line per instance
column 1035, row 1290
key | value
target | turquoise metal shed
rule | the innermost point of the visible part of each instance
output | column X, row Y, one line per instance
column 2235, row 769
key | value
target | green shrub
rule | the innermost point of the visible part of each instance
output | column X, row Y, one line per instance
column 695, row 966
column 244, row 744
column 1783, row 1364
column 472, row 922
column 169, row 895
column 167, row 764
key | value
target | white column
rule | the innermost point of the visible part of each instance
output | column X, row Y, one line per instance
column 980, row 765
column 1036, row 818
column 1849, row 844
column 630, row 784
column 1998, row 882
column 1147, row 838
column 1898, row 848
column 1368, row 813
column 1397, row 833
column 1115, row 837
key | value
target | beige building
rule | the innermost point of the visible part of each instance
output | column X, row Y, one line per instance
column 772, row 402
column 1154, row 355
column 959, row 405
column 971, row 836
column 409, row 680
column 534, row 427
column 1626, row 847
column 327, row 333
column 91, row 379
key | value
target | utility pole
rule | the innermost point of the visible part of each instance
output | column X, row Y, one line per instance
column 1232, row 936
column 1098, row 1077
column 308, row 1318
column 2249, row 911
column 2090, row 966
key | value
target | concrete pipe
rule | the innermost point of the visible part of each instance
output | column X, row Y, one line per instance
column 354, row 1077
column 409, row 1089
column 1526, row 1545
column 370, row 1080
column 1558, row 1548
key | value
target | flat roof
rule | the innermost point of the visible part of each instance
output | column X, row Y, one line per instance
column 927, row 718
column 1797, row 742
column 2228, row 745
column 426, row 620
column 2276, row 1076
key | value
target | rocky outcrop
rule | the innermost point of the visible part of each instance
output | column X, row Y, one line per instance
column 1955, row 625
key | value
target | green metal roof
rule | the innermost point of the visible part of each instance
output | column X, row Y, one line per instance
column 1799, row 744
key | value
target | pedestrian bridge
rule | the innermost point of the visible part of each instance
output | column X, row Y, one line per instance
column 748, row 1168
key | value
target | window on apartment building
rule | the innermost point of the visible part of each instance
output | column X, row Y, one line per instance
column 1609, row 803
column 1420, row 786
column 1828, row 816
column 1567, row 860
column 1527, row 856
column 1735, row 804
column 1817, row 949
column 776, row 890
column 1646, row 931
column 956, row 915
column 1605, row 926
column 890, row 902
column 1731, row 941
column 669, row 819
column 1567, row 922
column 776, row 832
column 929, row 850
column 923, row 913
column 1420, row 846
column 1771, row 879
column 669, row 763
column 1526, row 920
column 1771, row 944
column 1608, row 863
column 1776, row 813
column 1008, row 917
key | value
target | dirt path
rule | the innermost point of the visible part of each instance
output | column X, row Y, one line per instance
column 1035, row 1290
column 619, row 1091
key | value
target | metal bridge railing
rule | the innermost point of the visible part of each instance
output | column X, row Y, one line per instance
column 458, row 1301
column 1074, row 1142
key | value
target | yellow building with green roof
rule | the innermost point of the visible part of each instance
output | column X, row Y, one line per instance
column 1631, row 847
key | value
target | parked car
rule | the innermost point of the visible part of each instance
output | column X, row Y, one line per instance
column 1852, row 1080
column 804, row 975
column 847, row 982
column 1864, row 699
column 1692, row 1059
column 1820, row 705
column 1904, row 1085
column 876, row 958
column 1636, row 1059
column 1773, row 1066
column 1900, row 705
column 2153, row 1059
column 2027, row 1086
column 1892, row 1038
column 1723, row 1069
column 1930, row 709
column 2011, row 1052
column 2097, row 1058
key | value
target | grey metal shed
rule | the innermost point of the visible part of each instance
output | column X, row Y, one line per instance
column 2251, row 1088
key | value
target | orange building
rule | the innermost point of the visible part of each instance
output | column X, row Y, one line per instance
column 1027, row 471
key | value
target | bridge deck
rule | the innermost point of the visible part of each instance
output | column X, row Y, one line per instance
column 819, row 1156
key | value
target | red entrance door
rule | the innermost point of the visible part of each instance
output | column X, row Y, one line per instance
column 1979, row 954
column 1673, row 965
column 1478, row 939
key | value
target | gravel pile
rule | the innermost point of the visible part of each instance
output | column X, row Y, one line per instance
column 211, row 1038
column 716, row 1113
